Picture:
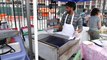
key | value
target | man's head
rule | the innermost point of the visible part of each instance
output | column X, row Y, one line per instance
column 95, row 11
column 85, row 10
column 70, row 6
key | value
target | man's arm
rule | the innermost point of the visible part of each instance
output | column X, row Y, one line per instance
column 61, row 23
column 79, row 24
column 99, row 24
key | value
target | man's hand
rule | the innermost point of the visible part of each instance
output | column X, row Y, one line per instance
column 79, row 30
column 57, row 26
column 77, row 35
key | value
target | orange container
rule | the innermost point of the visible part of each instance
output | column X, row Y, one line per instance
column 31, row 17
column 45, row 14
column 3, row 15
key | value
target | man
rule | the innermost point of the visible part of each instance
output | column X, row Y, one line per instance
column 69, row 19
column 84, row 15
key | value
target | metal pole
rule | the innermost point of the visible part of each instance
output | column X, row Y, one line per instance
column 35, row 3
column 29, row 30
column 7, row 11
column 1, row 6
column 59, row 5
column 14, row 14
column 7, row 14
column 18, row 12
column 55, row 9
column 4, row 10
column 11, row 6
column 101, row 6
column 76, row 8
column 90, row 5
column 96, row 3
column 84, row 3
column 22, row 13
column 104, row 4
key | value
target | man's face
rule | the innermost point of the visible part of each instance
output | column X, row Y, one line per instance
column 86, row 11
column 69, row 9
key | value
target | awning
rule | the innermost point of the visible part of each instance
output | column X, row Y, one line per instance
column 74, row 0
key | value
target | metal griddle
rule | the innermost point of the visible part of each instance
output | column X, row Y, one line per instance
column 54, row 41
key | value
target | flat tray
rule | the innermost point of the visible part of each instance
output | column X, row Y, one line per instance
column 54, row 41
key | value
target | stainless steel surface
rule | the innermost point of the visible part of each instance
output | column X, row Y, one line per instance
column 56, row 48
column 29, row 30
column 7, row 33
column 14, row 14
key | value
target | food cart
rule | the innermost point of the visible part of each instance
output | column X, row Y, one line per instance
column 56, row 47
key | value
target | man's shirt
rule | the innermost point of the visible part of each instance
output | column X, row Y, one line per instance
column 77, row 21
